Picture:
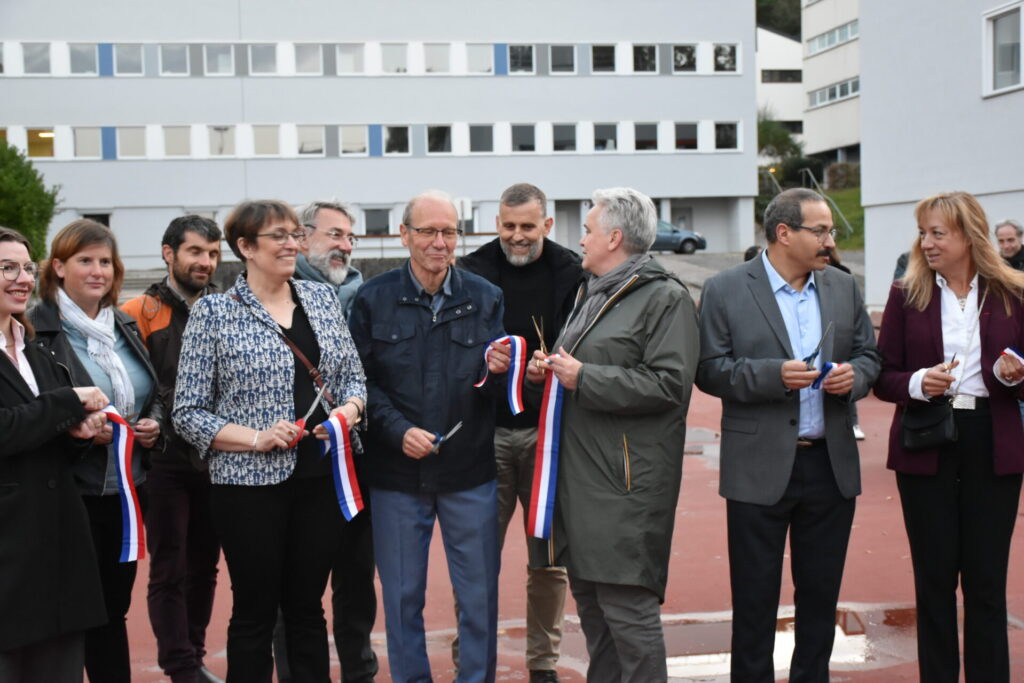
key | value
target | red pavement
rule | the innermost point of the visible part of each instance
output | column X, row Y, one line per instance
column 878, row 576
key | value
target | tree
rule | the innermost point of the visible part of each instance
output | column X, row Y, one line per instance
column 774, row 140
column 26, row 205
column 780, row 15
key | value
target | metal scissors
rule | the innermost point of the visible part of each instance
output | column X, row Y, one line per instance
column 811, row 358
column 441, row 439
column 301, row 422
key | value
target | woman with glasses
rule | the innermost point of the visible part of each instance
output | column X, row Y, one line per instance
column 50, row 592
column 945, row 327
column 242, row 383
column 78, row 321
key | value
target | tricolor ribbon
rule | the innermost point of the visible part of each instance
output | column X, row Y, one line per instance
column 516, row 370
column 545, row 468
column 343, row 466
column 133, row 533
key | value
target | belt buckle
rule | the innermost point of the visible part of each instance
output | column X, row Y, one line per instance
column 964, row 402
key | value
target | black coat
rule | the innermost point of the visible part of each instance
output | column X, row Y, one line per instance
column 49, row 581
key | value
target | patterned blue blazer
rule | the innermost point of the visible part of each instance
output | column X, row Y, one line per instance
column 235, row 368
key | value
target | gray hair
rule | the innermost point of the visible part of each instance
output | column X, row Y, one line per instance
column 521, row 193
column 1013, row 224
column 787, row 208
column 630, row 211
column 439, row 195
column 308, row 213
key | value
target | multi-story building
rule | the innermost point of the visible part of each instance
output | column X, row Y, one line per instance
column 831, row 79
column 943, row 115
column 780, row 92
column 144, row 110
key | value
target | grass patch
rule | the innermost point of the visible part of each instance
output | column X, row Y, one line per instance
column 849, row 204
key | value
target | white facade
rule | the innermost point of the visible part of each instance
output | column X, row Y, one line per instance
column 831, row 78
column 933, row 119
column 780, row 91
column 151, row 109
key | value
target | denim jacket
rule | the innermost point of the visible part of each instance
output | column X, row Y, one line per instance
column 235, row 368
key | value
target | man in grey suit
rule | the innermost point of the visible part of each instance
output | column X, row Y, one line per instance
column 789, row 460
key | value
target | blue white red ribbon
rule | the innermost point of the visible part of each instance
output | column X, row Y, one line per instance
column 133, row 533
column 343, row 466
column 545, row 467
column 516, row 370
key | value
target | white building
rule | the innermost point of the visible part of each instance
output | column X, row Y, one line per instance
column 944, row 111
column 142, row 110
column 780, row 91
column 832, row 78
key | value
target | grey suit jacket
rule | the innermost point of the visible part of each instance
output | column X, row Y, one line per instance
column 743, row 343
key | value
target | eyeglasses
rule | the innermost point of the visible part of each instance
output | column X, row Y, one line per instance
column 336, row 234
column 281, row 236
column 12, row 270
column 431, row 233
column 818, row 232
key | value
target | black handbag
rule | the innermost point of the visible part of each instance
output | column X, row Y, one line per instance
column 928, row 424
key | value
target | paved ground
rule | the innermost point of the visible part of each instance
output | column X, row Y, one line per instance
column 876, row 636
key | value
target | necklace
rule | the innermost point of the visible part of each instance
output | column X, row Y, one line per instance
column 962, row 300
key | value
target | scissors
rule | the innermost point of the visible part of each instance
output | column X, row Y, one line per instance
column 301, row 422
column 441, row 439
column 811, row 358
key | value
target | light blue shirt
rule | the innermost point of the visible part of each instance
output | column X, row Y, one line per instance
column 439, row 297
column 802, row 315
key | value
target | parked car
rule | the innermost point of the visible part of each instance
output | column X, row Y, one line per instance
column 679, row 240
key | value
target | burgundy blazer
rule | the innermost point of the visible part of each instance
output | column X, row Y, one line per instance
column 910, row 340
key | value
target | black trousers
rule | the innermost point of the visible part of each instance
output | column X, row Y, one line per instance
column 183, row 555
column 279, row 542
column 106, row 647
column 959, row 523
column 818, row 520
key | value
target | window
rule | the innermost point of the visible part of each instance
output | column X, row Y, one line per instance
column 263, row 59
column 795, row 127
column 37, row 58
column 128, row 60
column 837, row 36
column 177, row 141
column 353, row 139
column 266, row 141
column 101, row 218
column 222, row 141
column 87, row 143
column 725, row 136
column 396, row 139
column 350, row 59
column 309, row 59
column 311, row 140
column 131, row 142
column 393, row 58
column 439, row 139
column 563, row 59
column 564, row 135
column 602, row 58
column 684, row 58
column 606, row 137
column 645, row 58
column 646, row 135
column 523, row 138
column 834, row 93
column 436, row 59
column 781, row 75
column 174, row 60
column 686, row 136
column 520, row 59
column 83, row 59
column 40, row 142
column 725, row 57
column 479, row 58
column 1006, row 50
column 220, row 60
column 378, row 221
column 481, row 139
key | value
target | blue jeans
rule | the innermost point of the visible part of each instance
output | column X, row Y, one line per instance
column 403, row 524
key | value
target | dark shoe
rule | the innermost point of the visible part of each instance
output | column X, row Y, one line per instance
column 207, row 676
column 186, row 676
column 543, row 676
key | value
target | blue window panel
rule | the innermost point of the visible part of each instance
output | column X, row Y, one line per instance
column 501, row 59
column 106, row 51
column 108, row 139
column 376, row 140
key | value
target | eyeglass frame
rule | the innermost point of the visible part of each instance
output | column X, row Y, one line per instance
column 437, row 231
column 352, row 239
column 281, row 238
column 34, row 273
column 817, row 232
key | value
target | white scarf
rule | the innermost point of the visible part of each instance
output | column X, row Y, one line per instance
column 100, row 340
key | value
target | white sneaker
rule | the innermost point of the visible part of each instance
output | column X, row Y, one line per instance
column 858, row 433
